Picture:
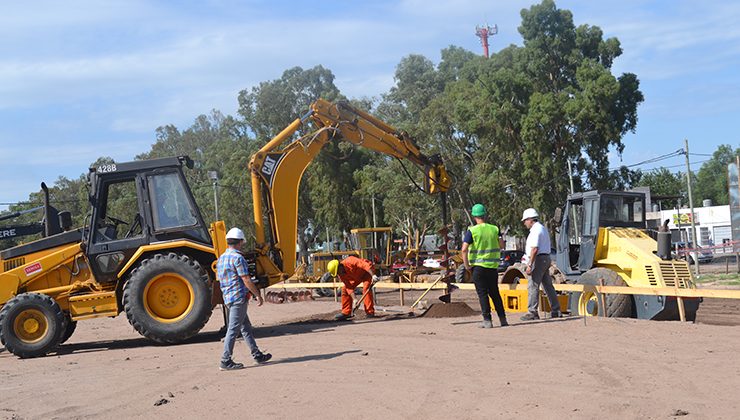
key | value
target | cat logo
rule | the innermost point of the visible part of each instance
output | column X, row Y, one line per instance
column 269, row 166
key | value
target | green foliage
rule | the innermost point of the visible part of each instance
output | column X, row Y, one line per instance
column 665, row 183
column 711, row 179
column 507, row 126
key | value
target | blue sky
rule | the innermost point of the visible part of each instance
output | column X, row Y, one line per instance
column 83, row 79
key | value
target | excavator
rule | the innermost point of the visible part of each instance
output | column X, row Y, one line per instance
column 277, row 169
column 146, row 251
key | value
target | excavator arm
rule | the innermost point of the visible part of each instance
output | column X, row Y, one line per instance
column 277, row 169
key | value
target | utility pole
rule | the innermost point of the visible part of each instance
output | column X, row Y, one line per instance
column 375, row 224
column 214, row 177
column 570, row 175
column 572, row 191
column 691, row 206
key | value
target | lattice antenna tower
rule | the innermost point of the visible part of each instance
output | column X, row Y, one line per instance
column 484, row 32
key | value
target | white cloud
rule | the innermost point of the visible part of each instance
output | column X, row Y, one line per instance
column 126, row 67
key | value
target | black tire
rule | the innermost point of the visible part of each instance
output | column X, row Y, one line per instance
column 69, row 329
column 177, row 303
column 462, row 275
column 514, row 273
column 31, row 325
column 617, row 306
column 325, row 291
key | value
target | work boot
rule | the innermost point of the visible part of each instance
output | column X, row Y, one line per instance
column 556, row 314
column 372, row 315
column 530, row 316
column 486, row 324
column 262, row 358
column 341, row 317
column 230, row 365
column 503, row 321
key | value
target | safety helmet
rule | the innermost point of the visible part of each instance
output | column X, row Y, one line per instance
column 235, row 233
column 530, row 214
column 478, row 210
column 332, row 267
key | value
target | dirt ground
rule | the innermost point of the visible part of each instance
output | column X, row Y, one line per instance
column 392, row 367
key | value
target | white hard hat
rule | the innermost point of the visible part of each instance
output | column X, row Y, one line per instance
column 530, row 214
column 235, row 233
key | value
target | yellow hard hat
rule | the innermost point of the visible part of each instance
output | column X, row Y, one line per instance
column 332, row 267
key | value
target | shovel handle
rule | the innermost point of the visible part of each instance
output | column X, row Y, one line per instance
column 362, row 298
column 425, row 292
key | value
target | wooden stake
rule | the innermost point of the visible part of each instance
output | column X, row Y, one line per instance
column 602, row 300
column 400, row 289
column 681, row 309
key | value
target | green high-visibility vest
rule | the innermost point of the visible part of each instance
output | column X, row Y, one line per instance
column 484, row 251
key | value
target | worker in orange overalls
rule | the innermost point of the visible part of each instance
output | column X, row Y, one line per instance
column 353, row 271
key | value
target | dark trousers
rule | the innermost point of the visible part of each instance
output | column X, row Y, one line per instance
column 486, row 284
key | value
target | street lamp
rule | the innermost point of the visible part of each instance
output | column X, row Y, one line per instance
column 213, row 175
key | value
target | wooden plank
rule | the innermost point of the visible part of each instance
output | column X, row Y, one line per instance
column 618, row 290
column 667, row 291
column 602, row 301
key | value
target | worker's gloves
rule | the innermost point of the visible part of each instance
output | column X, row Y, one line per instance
column 375, row 278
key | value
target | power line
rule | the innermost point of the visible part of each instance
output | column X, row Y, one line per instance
column 678, row 152
column 676, row 166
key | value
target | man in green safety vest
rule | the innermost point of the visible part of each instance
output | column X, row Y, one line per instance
column 481, row 252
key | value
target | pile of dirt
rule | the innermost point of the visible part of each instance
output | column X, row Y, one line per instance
column 450, row 310
column 329, row 317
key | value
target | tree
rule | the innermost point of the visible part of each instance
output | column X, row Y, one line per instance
column 508, row 125
column 711, row 179
column 664, row 183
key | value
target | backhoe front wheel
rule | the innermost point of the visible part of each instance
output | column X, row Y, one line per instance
column 31, row 325
column 167, row 298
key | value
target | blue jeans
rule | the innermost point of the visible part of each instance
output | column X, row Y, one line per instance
column 238, row 323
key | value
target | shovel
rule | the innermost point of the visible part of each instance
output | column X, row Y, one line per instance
column 362, row 298
column 444, row 298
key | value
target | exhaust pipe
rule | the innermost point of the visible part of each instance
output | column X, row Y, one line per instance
column 664, row 245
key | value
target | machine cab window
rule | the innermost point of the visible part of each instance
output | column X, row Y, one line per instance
column 118, row 217
column 622, row 211
column 170, row 205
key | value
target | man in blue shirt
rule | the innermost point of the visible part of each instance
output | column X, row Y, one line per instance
column 233, row 277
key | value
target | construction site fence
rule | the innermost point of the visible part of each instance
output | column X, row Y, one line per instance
column 579, row 288
column 599, row 290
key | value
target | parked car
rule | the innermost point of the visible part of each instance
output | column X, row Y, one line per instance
column 509, row 258
column 685, row 251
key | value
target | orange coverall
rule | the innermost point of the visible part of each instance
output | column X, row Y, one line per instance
column 356, row 271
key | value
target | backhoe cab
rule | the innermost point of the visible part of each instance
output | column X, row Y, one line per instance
column 146, row 251
column 603, row 237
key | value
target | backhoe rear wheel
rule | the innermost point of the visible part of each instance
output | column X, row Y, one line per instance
column 167, row 298
column 69, row 329
column 31, row 325
column 588, row 304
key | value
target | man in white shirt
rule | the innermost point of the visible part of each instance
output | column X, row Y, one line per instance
column 538, row 266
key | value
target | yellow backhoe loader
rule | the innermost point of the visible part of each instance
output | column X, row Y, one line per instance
column 146, row 251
